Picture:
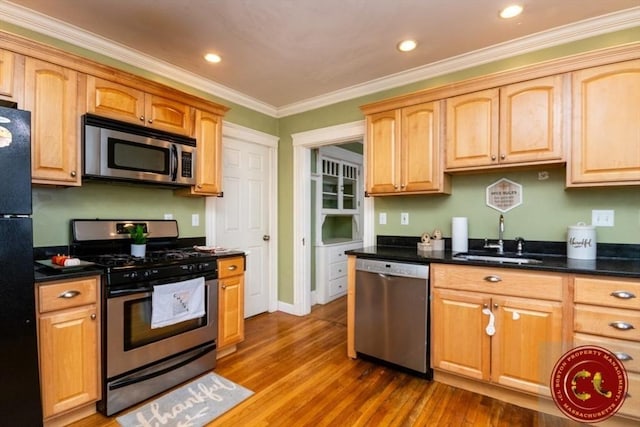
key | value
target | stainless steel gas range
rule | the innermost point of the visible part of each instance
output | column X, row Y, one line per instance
column 141, row 355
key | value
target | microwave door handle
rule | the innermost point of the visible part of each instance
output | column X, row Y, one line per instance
column 174, row 162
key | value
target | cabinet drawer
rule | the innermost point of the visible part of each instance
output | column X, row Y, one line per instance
column 337, row 254
column 338, row 286
column 502, row 281
column 599, row 321
column 628, row 352
column 337, row 270
column 228, row 267
column 72, row 293
column 631, row 405
column 620, row 293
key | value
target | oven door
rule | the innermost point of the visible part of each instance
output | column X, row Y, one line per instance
column 131, row 343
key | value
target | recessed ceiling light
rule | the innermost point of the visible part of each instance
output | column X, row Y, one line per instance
column 212, row 57
column 511, row 11
column 407, row 45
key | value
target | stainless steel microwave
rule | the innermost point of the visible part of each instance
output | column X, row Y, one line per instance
column 120, row 151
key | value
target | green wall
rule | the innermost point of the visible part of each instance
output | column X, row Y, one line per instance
column 546, row 212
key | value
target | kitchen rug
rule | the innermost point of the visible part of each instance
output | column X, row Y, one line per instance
column 192, row 405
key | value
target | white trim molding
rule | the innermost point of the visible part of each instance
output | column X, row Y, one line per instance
column 303, row 142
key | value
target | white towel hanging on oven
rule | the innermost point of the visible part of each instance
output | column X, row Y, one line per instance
column 177, row 302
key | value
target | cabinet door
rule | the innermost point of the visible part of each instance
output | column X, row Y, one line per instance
column 168, row 115
column 68, row 359
column 472, row 129
column 531, row 121
column 459, row 342
column 116, row 101
column 527, row 343
column 605, row 138
column 231, row 310
column 51, row 96
column 11, row 77
column 420, row 148
column 209, row 161
column 383, row 152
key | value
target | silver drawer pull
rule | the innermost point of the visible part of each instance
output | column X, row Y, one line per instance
column 69, row 294
column 623, row 326
column 493, row 279
column 622, row 356
column 232, row 267
column 622, row 294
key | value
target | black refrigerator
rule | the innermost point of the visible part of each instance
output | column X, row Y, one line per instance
column 19, row 377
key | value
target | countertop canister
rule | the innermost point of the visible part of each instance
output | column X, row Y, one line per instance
column 581, row 241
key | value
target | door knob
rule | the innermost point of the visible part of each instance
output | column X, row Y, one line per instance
column 266, row 237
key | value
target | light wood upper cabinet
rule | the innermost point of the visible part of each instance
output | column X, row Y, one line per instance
column 69, row 345
column 472, row 129
column 51, row 94
column 404, row 151
column 605, row 131
column 12, row 77
column 516, row 124
column 209, row 161
column 230, row 301
column 120, row 102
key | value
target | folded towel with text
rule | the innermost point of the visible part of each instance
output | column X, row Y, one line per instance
column 177, row 302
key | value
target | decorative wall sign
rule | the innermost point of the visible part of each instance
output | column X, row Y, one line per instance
column 504, row 195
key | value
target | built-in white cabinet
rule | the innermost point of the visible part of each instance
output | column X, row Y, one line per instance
column 340, row 180
column 331, row 270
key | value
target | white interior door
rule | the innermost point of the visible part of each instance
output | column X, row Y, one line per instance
column 243, row 217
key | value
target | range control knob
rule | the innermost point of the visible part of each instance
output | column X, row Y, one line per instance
column 190, row 268
column 201, row 267
column 146, row 274
column 133, row 275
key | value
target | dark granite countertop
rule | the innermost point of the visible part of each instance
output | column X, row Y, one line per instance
column 625, row 264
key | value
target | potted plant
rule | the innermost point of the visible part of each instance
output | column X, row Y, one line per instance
column 139, row 245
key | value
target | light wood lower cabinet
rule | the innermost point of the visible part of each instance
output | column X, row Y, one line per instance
column 230, row 301
column 607, row 314
column 528, row 335
column 68, row 330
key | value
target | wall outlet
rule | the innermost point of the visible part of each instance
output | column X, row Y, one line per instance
column 195, row 220
column 602, row 218
column 404, row 218
column 168, row 216
column 382, row 218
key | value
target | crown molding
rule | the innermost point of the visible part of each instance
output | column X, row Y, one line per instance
column 46, row 25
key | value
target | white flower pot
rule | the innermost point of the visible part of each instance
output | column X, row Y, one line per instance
column 138, row 250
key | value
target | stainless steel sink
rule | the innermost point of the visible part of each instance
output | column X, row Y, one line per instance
column 498, row 259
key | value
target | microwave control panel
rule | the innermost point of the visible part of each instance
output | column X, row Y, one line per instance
column 187, row 164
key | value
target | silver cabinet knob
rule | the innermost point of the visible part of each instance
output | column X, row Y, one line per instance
column 73, row 174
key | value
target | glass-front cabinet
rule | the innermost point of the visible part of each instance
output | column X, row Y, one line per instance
column 339, row 185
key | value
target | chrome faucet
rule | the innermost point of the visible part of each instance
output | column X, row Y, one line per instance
column 500, row 244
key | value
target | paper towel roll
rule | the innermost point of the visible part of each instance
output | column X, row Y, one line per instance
column 459, row 234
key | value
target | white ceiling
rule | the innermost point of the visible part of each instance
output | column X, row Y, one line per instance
column 281, row 55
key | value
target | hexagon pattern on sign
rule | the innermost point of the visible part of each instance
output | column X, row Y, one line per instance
column 504, row 195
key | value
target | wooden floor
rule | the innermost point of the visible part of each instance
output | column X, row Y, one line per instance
column 301, row 376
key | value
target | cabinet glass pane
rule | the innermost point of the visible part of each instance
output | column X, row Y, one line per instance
column 329, row 192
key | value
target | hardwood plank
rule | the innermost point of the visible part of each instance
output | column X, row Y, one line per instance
column 301, row 376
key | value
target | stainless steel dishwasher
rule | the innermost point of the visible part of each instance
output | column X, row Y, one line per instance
column 392, row 313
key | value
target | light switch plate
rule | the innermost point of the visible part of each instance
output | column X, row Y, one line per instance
column 602, row 218
column 195, row 220
column 382, row 218
column 404, row 218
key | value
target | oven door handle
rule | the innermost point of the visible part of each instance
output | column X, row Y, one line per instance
column 137, row 378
